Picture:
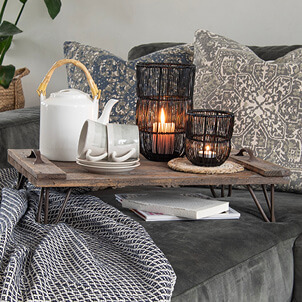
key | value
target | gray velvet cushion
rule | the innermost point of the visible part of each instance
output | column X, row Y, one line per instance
column 229, row 260
column 268, row 53
column 265, row 97
column 145, row 49
column 265, row 53
column 19, row 129
column 114, row 76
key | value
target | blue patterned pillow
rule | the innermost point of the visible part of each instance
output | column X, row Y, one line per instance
column 116, row 77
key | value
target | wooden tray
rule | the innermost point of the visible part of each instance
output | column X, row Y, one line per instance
column 149, row 173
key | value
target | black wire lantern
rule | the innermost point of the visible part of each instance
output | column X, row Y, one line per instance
column 208, row 137
column 165, row 95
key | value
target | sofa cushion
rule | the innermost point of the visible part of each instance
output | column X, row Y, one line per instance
column 114, row 76
column 268, row 53
column 19, row 129
column 145, row 49
column 265, row 53
column 264, row 96
column 228, row 260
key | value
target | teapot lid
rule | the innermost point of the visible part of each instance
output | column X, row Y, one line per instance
column 69, row 93
column 72, row 97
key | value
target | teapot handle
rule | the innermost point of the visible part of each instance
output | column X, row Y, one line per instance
column 96, row 93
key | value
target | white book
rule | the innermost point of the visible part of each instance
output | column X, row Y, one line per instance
column 151, row 216
column 176, row 204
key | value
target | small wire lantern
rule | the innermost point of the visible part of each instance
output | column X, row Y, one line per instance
column 208, row 137
column 165, row 95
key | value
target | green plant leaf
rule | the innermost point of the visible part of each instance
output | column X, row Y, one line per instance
column 4, row 46
column 3, row 38
column 53, row 7
column 8, row 29
column 6, row 75
column 23, row 1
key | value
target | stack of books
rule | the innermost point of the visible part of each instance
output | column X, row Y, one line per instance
column 166, row 205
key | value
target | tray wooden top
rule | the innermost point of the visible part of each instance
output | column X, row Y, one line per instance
column 149, row 173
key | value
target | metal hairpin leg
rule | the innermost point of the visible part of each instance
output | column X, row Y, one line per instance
column 230, row 191
column 222, row 191
column 270, row 202
column 21, row 180
column 63, row 206
column 213, row 191
column 43, row 198
column 46, row 205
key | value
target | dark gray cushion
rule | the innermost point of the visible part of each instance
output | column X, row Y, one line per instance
column 265, row 53
column 229, row 260
column 19, row 129
column 145, row 49
column 268, row 53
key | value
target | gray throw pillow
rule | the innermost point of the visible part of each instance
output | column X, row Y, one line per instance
column 264, row 96
column 116, row 77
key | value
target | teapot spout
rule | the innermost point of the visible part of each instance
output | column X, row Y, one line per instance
column 104, row 118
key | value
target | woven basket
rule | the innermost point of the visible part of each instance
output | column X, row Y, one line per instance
column 13, row 97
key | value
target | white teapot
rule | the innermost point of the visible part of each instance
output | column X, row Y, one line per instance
column 64, row 113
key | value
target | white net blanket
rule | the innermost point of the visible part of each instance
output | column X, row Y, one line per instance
column 96, row 253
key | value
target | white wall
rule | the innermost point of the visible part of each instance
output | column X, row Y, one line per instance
column 118, row 25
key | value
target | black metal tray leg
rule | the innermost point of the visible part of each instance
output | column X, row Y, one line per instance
column 212, row 188
column 270, row 202
column 41, row 197
column 21, row 181
column 63, row 206
column 44, row 198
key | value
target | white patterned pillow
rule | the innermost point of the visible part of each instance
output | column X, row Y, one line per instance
column 266, row 98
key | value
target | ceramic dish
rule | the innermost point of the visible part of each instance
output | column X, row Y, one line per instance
column 108, row 170
column 105, row 163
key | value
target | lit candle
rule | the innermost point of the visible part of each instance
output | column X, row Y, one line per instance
column 163, row 139
column 207, row 153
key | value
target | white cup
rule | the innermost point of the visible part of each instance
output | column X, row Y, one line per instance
column 114, row 142
column 123, row 142
column 93, row 143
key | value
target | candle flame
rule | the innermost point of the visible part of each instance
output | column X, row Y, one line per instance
column 207, row 148
column 162, row 116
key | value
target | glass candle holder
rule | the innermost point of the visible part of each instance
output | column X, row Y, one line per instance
column 208, row 137
column 165, row 95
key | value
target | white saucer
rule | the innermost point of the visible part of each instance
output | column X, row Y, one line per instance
column 108, row 170
column 105, row 163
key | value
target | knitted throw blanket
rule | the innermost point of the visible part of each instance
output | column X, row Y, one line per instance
column 96, row 253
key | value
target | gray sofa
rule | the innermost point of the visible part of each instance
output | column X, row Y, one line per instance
column 216, row 260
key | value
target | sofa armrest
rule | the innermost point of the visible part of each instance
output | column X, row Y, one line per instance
column 19, row 129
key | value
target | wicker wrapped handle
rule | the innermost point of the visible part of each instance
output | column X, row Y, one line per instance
column 94, row 89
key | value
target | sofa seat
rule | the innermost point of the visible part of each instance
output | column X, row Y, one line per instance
column 231, row 260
